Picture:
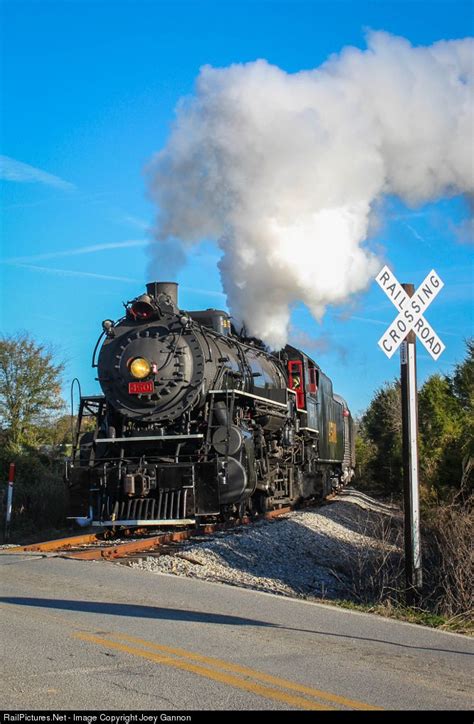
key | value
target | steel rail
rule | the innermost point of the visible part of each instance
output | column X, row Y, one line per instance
column 124, row 549
column 61, row 546
column 57, row 544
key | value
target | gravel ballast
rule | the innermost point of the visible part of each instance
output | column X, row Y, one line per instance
column 307, row 553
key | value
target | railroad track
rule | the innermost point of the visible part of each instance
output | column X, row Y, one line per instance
column 100, row 546
column 94, row 546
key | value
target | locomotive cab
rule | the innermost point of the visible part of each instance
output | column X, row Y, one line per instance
column 303, row 379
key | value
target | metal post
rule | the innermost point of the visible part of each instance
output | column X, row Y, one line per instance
column 413, row 570
column 9, row 498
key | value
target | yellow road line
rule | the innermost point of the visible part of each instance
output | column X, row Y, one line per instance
column 247, row 679
column 228, row 679
column 204, row 671
column 246, row 671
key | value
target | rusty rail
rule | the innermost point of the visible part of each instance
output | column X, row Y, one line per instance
column 124, row 549
column 55, row 545
column 110, row 552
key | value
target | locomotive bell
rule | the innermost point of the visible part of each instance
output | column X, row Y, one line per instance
column 142, row 307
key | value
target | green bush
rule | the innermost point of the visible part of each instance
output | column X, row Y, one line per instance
column 446, row 436
column 39, row 492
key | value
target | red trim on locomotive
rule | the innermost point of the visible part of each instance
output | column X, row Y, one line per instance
column 313, row 380
column 295, row 380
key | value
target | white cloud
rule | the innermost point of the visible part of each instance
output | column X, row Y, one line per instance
column 106, row 277
column 78, row 251
column 286, row 170
column 13, row 170
column 71, row 273
column 134, row 221
column 206, row 292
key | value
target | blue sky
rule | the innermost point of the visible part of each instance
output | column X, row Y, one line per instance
column 89, row 90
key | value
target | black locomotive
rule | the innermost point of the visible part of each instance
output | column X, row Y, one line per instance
column 198, row 421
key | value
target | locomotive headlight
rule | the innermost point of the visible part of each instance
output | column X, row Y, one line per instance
column 140, row 368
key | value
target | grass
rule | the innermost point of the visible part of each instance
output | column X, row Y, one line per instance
column 462, row 624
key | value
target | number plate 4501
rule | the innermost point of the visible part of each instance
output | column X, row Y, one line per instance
column 141, row 388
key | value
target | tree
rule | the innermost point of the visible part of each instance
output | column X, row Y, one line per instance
column 447, row 427
column 462, row 384
column 446, row 439
column 30, row 389
column 462, row 381
column 440, row 426
column 381, row 432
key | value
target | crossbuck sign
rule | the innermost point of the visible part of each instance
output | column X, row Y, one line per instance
column 410, row 316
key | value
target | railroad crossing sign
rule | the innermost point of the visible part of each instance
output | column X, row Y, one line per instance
column 410, row 316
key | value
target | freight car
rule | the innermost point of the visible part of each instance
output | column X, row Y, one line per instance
column 198, row 421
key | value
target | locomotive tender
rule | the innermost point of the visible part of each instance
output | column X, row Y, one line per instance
column 197, row 421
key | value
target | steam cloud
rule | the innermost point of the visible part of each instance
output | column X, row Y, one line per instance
column 284, row 169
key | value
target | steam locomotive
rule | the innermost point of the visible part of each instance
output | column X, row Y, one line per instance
column 198, row 421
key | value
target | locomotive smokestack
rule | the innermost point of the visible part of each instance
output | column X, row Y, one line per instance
column 154, row 289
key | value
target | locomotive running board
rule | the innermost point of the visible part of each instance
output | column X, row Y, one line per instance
column 112, row 523
column 248, row 394
column 148, row 438
column 258, row 397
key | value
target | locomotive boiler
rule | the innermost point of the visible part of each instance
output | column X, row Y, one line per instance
column 198, row 421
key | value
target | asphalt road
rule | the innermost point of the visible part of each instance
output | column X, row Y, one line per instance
column 80, row 635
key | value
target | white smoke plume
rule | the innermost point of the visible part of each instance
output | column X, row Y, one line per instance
column 284, row 170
